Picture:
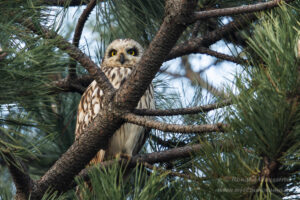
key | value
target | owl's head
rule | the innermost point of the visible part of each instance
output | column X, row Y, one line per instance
column 122, row 53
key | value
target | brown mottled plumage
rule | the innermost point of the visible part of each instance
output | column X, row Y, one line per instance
column 120, row 58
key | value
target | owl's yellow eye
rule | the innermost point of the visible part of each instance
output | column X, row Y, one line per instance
column 113, row 53
column 132, row 52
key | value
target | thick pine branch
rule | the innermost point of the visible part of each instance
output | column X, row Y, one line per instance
column 198, row 45
column 21, row 178
column 182, row 111
column 175, row 128
column 155, row 157
column 96, row 136
column 177, row 14
column 194, row 45
column 150, row 158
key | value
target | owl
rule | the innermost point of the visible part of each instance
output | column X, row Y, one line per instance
column 119, row 60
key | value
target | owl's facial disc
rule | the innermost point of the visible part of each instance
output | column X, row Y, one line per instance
column 122, row 53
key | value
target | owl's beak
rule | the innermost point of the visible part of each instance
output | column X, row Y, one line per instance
column 122, row 58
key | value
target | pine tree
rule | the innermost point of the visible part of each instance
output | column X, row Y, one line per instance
column 241, row 142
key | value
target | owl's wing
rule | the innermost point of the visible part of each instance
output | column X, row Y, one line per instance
column 146, row 102
column 89, row 105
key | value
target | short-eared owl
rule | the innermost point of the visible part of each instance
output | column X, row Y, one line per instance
column 120, row 58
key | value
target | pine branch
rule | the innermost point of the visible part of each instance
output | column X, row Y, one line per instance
column 177, row 13
column 154, row 157
column 67, row 85
column 78, row 84
column 194, row 45
column 175, row 128
column 21, row 178
column 183, row 111
column 239, row 10
column 150, row 158
column 96, row 135
column 78, row 31
column 75, row 53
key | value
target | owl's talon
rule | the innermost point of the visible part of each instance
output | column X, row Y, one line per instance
column 123, row 156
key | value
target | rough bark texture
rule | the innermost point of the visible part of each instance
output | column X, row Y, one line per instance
column 78, row 155
column 151, row 158
column 106, row 123
column 178, row 14
column 21, row 178
column 173, row 26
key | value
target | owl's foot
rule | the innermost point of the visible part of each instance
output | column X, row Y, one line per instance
column 123, row 156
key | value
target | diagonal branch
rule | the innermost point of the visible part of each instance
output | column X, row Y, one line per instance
column 75, row 53
column 176, row 128
column 78, row 31
column 95, row 137
column 21, row 178
column 183, row 111
column 78, row 84
column 151, row 158
column 177, row 13
column 194, row 45
column 238, row 10
column 156, row 157
column 97, row 134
